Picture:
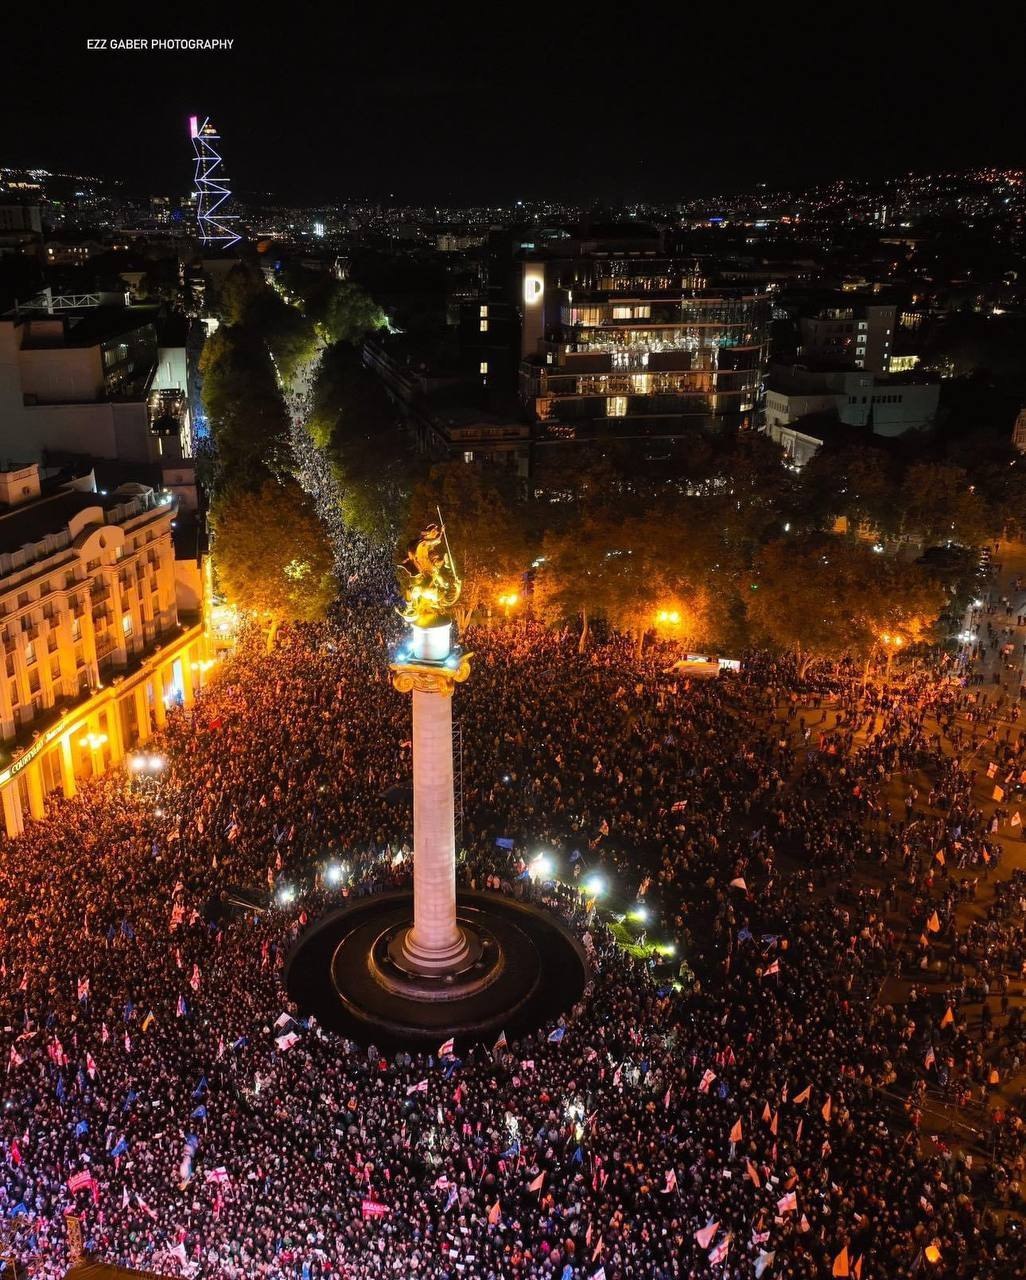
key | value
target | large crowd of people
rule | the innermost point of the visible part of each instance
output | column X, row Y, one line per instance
column 821, row 1088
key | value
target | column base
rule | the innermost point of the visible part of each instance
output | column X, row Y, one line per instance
column 531, row 969
column 410, row 957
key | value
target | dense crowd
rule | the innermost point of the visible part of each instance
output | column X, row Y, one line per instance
column 810, row 848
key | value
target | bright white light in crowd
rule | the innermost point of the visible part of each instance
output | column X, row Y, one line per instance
column 594, row 886
column 977, row 604
column 878, row 546
column 286, row 894
column 136, row 763
column 541, row 867
column 640, row 914
column 333, row 873
column 157, row 762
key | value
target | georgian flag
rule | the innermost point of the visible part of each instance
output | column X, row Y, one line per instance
column 720, row 1252
column 447, row 1048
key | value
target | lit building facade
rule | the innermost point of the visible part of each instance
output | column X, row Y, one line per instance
column 638, row 345
column 93, row 647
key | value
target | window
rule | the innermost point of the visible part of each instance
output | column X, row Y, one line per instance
column 616, row 406
column 468, row 455
column 30, row 652
column 12, row 689
column 55, row 669
column 484, row 326
column 483, row 367
column 126, row 624
column 76, row 628
column 484, row 312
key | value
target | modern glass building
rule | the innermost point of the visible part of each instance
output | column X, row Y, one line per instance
column 637, row 345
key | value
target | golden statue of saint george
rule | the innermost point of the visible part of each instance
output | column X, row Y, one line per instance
column 428, row 580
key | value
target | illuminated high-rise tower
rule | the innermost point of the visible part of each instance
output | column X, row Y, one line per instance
column 212, row 188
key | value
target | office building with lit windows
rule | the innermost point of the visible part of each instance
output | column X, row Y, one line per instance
column 94, row 649
column 858, row 335
column 634, row 345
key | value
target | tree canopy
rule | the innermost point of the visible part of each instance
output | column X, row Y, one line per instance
column 271, row 553
column 248, row 418
column 825, row 598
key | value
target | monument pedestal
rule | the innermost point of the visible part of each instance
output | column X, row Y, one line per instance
column 467, row 967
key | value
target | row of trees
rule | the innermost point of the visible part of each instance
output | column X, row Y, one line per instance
column 702, row 569
column 727, row 548
column 272, row 554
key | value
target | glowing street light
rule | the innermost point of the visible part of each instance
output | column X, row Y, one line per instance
column 891, row 643
column 668, row 617
column 541, row 867
column 333, row 873
column 508, row 601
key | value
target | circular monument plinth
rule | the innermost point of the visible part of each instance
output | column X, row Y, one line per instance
column 351, row 970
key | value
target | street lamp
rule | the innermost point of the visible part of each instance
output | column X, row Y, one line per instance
column 508, row 601
column 668, row 617
column 891, row 644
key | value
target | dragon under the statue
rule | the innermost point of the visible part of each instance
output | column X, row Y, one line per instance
column 429, row 580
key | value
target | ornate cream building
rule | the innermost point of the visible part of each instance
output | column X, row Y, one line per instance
column 94, row 649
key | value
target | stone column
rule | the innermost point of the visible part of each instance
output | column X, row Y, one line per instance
column 68, row 783
column 435, row 943
column 34, row 786
column 13, row 820
column 142, row 712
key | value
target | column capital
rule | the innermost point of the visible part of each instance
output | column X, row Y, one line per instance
column 425, row 677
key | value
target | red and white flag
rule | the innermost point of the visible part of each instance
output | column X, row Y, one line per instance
column 706, row 1234
column 446, row 1049
column 720, row 1252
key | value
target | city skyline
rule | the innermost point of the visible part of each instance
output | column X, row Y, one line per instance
column 463, row 114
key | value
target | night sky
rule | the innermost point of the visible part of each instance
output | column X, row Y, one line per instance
column 465, row 105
